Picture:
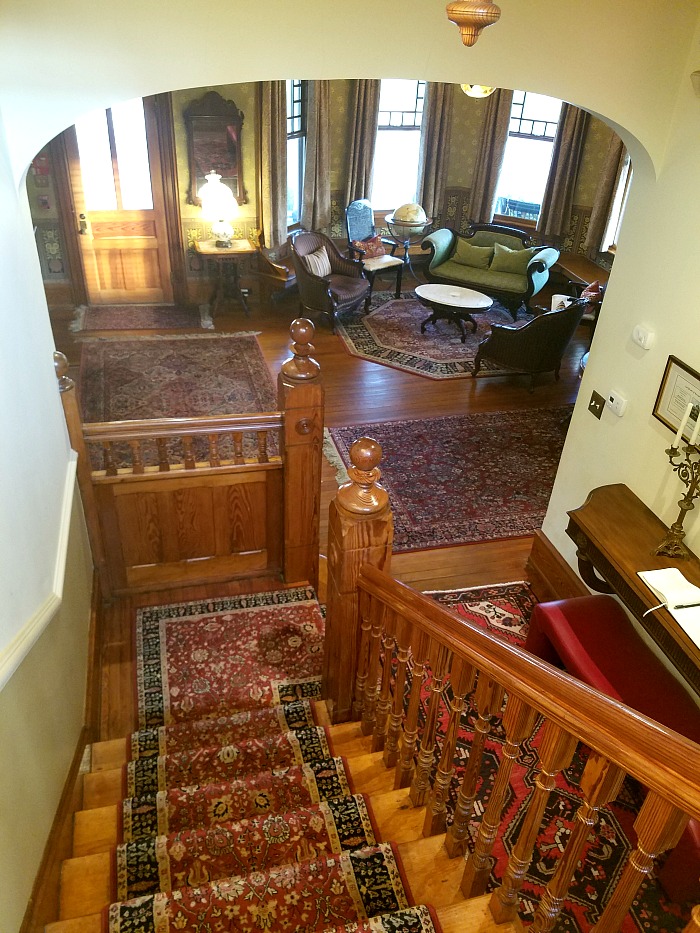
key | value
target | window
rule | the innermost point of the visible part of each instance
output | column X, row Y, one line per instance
column 533, row 127
column 617, row 208
column 395, row 175
column 114, row 158
column 296, row 148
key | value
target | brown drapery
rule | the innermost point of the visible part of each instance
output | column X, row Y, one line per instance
column 316, row 207
column 605, row 193
column 362, row 135
column 555, row 213
column 435, row 147
column 273, row 159
column 489, row 159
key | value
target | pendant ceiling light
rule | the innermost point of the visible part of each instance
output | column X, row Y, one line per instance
column 477, row 90
column 471, row 17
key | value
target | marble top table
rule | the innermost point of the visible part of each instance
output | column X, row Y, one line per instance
column 453, row 303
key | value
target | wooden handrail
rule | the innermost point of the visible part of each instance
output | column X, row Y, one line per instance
column 661, row 759
column 98, row 431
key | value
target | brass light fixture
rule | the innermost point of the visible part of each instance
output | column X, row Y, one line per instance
column 471, row 16
column 477, row 90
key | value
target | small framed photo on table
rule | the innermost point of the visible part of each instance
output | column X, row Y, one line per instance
column 677, row 404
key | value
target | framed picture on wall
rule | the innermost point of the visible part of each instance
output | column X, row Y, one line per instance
column 677, row 404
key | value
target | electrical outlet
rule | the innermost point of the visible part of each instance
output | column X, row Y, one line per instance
column 596, row 404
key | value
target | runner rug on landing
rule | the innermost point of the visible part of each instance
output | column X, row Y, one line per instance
column 391, row 335
column 465, row 478
column 138, row 317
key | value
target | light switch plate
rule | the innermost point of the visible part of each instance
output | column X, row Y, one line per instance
column 596, row 404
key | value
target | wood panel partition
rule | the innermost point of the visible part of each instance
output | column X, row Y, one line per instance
column 199, row 500
column 412, row 646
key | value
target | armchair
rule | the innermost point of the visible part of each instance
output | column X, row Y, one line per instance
column 364, row 244
column 327, row 281
column 535, row 347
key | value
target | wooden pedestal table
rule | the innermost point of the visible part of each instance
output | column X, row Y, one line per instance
column 453, row 303
column 223, row 265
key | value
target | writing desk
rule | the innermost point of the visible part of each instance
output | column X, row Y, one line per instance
column 223, row 261
column 615, row 536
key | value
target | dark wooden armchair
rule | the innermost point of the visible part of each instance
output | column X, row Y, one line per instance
column 371, row 249
column 536, row 347
column 327, row 281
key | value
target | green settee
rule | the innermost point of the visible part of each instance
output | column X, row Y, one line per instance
column 492, row 258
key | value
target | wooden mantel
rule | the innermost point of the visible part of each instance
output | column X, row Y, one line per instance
column 615, row 536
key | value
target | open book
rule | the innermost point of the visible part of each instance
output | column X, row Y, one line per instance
column 678, row 595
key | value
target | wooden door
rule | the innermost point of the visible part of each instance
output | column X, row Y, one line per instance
column 123, row 235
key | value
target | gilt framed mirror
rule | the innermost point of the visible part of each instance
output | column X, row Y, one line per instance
column 214, row 128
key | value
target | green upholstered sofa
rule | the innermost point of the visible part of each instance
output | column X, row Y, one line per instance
column 492, row 258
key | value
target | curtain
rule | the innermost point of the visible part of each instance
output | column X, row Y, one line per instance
column 273, row 138
column 555, row 214
column 435, row 147
column 605, row 193
column 364, row 106
column 316, row 207
column 489, row 158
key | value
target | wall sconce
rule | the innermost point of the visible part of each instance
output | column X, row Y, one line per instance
column 695, row 81
column 471, row 16
column 220, row 207
column 477, row 90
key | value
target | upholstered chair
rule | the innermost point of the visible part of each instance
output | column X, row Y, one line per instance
column 535, row 347
column 371, row 249
column 328, row 282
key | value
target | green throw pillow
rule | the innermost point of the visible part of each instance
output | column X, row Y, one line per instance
column 478, row 257
column 511, row 260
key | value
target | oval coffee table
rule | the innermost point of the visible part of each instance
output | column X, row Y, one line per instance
column 453, row 303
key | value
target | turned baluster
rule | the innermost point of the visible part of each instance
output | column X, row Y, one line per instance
column 404, row 772
column 381, row 719
column 393, row 732
column 262, row 447
column 109, row 461
column 659, row 826
column 600, row 783
column 420, row 786
column 365, row 617
column 238, row 457
column 488, row 701
column 189, row 452
column 694, row 922
column 214, row 458
column 136, row 457
column 462, row 680
column 369, row 703
column 163, row 461
column 518, row 723
column 556, row 751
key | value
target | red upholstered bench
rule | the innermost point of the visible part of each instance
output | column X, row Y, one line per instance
column 593, row 638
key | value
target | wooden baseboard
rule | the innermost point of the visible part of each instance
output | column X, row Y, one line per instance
column 549, row 575
column 94, row 673
column 43, row 903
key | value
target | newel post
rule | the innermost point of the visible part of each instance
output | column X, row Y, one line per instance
column 74, row 422
column 360, row 531
column 300, row 396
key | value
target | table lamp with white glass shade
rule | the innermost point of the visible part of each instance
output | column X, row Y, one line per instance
column 220, row 207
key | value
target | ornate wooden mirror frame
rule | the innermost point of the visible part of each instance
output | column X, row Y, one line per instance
column 214, row 142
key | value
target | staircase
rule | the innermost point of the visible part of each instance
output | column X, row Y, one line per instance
column 269, row 796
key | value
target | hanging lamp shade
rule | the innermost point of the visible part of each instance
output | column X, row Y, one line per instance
column 471, row 16
column 477, row 90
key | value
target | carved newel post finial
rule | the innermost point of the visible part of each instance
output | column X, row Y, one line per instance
column 363, row 494
column 301, row 366
column 60, row 365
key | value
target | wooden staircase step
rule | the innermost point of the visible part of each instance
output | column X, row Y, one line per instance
column 102, row 788
column 86, row 885
column 91, row 924
column 433, row 877
column 95, row 830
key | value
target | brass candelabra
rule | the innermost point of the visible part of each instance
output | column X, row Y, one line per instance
column 688, row 471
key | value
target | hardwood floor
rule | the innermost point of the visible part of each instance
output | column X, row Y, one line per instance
column 356, row 391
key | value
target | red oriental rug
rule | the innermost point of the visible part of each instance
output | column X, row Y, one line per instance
column 138, row 317
column 391, row 335
column 205, row 659
column 465, row 478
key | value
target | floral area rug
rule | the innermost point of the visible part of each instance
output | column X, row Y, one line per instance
column 505, row 610
column 391, row 335
column 465, row 478
column 138, row 317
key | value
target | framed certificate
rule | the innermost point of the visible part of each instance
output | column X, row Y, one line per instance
column 680, row 387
